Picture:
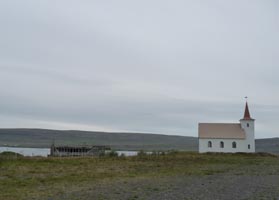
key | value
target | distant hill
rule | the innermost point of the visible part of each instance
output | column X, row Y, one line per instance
column 268, row 145
column 119, row 141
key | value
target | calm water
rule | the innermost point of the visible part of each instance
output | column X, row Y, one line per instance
column 27, row 151
column 46, row 151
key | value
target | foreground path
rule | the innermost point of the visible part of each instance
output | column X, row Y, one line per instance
column 220, row 186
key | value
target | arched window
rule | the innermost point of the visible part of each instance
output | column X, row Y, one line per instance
column 249, row 146
column 209, row 144
column 248, row 124
column 234, row 145
column 221, row 144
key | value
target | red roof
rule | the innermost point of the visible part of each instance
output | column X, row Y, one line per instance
column 247, row 113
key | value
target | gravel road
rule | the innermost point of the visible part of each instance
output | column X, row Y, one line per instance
column 218, row 186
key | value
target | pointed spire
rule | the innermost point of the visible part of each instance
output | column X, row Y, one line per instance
column 246, row 112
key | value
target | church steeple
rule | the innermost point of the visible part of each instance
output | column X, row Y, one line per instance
column 248, row 125
column 247, row 115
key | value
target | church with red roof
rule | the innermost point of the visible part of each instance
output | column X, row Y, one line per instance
column 228, row 137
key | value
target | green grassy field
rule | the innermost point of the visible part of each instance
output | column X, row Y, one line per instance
column 46, row 178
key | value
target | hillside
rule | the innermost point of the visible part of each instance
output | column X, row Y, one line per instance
column 123, row 141
column 268, row 145
column 120, row 141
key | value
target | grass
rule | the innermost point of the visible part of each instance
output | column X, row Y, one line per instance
column 38, row 178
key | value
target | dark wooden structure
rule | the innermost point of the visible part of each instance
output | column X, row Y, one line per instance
column 71, row 151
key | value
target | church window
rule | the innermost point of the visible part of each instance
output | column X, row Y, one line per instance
column 234, row 145
column 249, row 146
column 221, row 144
column 209, row 144
column 248, row 124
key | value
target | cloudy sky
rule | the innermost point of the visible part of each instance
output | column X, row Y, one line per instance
column 144, row 66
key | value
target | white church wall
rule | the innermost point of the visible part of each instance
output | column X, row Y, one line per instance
column 249, row 128
column 241, row 146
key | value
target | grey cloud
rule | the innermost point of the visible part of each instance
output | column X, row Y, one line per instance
column 152, row 66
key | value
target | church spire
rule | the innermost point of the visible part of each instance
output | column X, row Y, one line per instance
column 246, row 112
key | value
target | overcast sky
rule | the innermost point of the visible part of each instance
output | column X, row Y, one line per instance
column 144, row 66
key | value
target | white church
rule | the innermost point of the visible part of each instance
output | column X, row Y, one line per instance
column 228, row 138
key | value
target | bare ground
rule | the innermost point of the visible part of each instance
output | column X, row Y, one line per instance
column 218, row 186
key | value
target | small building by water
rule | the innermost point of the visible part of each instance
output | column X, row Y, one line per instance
column 71, row 151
